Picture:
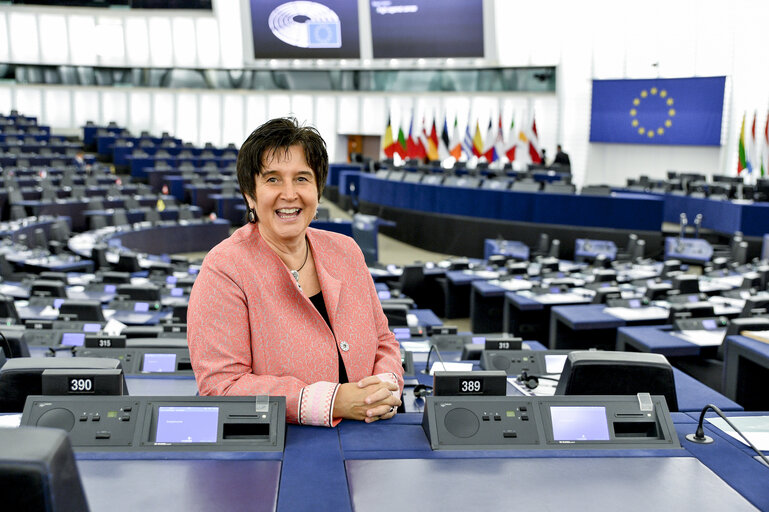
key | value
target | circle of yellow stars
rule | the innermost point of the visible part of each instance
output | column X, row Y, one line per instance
column 659, row 130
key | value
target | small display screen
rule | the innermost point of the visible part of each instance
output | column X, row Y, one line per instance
column 555, row 289
column 384, row 294
column 57, row 303
column 73, row 339
column 579, row 423
column 479, row 340
column 177, row 292
column 634, row 303
column 187, row 425
column 91, row 327
column 709, row 324
column 141, row 307
column 154, row 363
column 110, row 288
column 171, row 279
column 693, row 298
column 554, row 363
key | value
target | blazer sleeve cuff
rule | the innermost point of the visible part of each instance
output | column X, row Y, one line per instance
column 390, row 377
column 316, row 404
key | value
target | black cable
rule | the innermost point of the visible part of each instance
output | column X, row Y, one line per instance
column 427, row 363
column 7, row 344
column 700, row 437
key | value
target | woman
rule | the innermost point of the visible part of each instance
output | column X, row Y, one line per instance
column 282, row 309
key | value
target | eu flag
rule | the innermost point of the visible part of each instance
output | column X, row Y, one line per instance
column 679, row 111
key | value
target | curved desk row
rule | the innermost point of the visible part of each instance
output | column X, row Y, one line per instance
column 456, row 220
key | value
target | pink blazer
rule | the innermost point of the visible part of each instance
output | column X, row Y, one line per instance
column 251, row 331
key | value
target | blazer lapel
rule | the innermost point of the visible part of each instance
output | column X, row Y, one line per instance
column 329, row 284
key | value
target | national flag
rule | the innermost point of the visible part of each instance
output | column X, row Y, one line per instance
column 765, row 151
column 750, row 154
column 432, row 139
column 499, row 141
column 741, row 160
column 412, row 149
column 467, row 141
column 388, row 144
column 423, row 141
column 677, row 111
column 400, row 149
column 512, row 142
column 534, row 152
column 444, row 143
column 455, row 145
column 477, row 140
column 488, row 144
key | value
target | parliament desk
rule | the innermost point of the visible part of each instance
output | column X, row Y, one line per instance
column 590, row 326
column 486, row 307
column 425, row 213
column 699, row 360
column 746, row 372
column 389, row 465
column 457, row 286
column 529, row 316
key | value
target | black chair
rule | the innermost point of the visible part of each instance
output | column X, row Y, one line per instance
column 38, row 471
column 617, row 373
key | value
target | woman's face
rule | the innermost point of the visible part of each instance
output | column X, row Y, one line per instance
column 286, row 195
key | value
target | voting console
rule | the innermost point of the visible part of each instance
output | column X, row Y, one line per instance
column 558, row 422
column 515, row 362
column 163, row 424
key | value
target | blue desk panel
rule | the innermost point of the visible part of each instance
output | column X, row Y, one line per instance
column 638, row 213
column 200, row 485
column 596, row 484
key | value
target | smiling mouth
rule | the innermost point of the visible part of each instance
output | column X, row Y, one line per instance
column 288, row 213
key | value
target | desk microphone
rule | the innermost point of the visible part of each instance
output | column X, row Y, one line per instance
column 426, row 371
column 532, row 381
column 700, row 437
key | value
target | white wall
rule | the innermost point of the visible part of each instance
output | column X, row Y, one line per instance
column 652, row 39
column 585, row 40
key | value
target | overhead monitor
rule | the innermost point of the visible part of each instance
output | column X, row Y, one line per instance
column 304, row 29
column 427, row 28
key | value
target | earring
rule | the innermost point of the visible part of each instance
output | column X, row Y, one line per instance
column 315, row 217
column 252, row 215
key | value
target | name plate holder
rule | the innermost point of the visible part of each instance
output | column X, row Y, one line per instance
column 479, row 383
column 99, row 341
column 83, row 382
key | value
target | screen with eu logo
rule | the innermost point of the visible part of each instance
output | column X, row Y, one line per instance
column 303, row 29
column 679, row 111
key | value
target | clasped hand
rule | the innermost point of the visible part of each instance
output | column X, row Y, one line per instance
column 369, row 399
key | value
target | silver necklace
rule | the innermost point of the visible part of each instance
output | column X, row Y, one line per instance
column 295, row 273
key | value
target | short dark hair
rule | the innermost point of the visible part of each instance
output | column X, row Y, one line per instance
column 276, row 135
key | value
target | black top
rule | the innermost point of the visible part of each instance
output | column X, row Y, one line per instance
column 320, row 305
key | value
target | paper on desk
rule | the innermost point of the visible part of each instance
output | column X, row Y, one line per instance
column 560, row 298
column 113, row 327
column 513, row 285
column 10, row 420
column 727, row 302
column 483, row 274
column 755, row 428
column 451, row 367
column 647, row 313
column 49, row 312
column 416, row 346
column 702, row 337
